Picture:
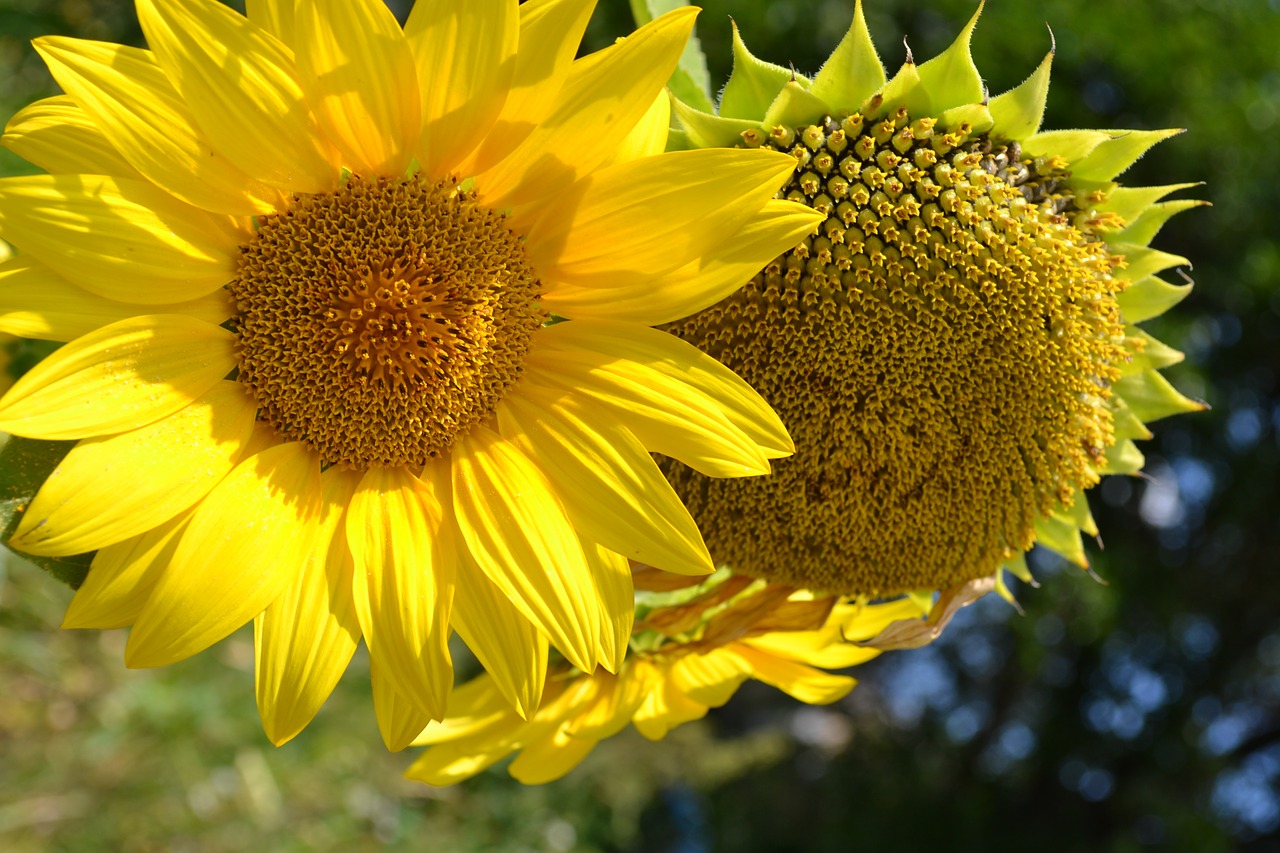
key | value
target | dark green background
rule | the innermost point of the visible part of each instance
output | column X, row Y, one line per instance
column 1144, row 713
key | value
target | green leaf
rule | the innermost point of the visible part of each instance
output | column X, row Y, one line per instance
column 691, row 81
column 24, row 465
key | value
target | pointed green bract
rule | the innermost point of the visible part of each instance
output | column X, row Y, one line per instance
column 853, row 72
column 1019, row 111
column 1113, row 156
column 951, row 77
column 753, row 84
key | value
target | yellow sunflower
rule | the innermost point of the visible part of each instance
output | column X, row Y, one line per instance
column 360, row 344
column 696, row 642
column 955, row 349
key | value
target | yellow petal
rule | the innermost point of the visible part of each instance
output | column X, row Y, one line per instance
column 122, row 576
column 595, row 109
column 629, row 223
column 510, row 648
column 109, row 489
column 612, row 574
column 711, row 678
column 457, row 761
column 520, row 537
column 400, row 719
column 360, row 80
column 122, row 239
column 810, row 648
column 305, row 639
column 242, row 83
column 56, row 135
column 649, row 137
column 129, row 97
column 35, row 302
column 617, row 699
column 404, row 582
column 274, row 16
column 667, row 413
column 120, row 377
column 243, row 547
column 607, row 481
column 667, row 354
column 549, row 34
column 664, row 708
column 699, row 284
column 548, row 758
column 466, row 58
column 473, row 708
column 809, row 685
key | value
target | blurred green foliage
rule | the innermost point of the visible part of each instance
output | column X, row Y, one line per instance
column 1145, row 713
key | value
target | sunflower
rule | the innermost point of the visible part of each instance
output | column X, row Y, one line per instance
column 360, row 343
column 696, row 642
column 955, row 349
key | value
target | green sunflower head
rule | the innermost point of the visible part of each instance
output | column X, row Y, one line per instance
column 954, row 349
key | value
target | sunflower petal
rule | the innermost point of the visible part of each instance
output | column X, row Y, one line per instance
column 251, row 105
column 510, row 648
column 109, row 489
column 129, row 97
column 120, row 377
column 359, row 75
column 633, row 221
column 600, row 102
column 305, row 639
column 608, row 483
column 712, row 678
column 520, row 536
column 612, row 574
column 699, row 284
column 809, row 685
column 404, row 584
column 56, row 135
column 548, row 758
column 466, row 58
column 274, row 16
column 122, row 576
column 242, row 548
column 676, row 399
column 400, row 719
column 37, row 303
column 122, row 239
column 550, row 31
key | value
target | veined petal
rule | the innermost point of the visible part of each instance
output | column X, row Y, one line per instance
column 122, row 576
column 809, row 685
column 456, row 761
column 400, row 719
column 601, row 101
column 521, row 538
column 642, row 370
column 56, row 135
column 243, row 547
column 122, row 239
column 118, row 378
column 404, row 583
column 550, row 31
column 512, row 650
column 274, row 16
column 711, row 678
column 243, row 84
column 649, row 137
column 607, row 481
column 475, row 706
column 810, row 647
column 305, row 639
column 109, row 489
column 360, row 80
column 36, row 302
column 129, row 97
column 699, row 284
column 466, row 58
column 612, row 574
column 550, row 757
column 664, row 708
column 633, row 221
